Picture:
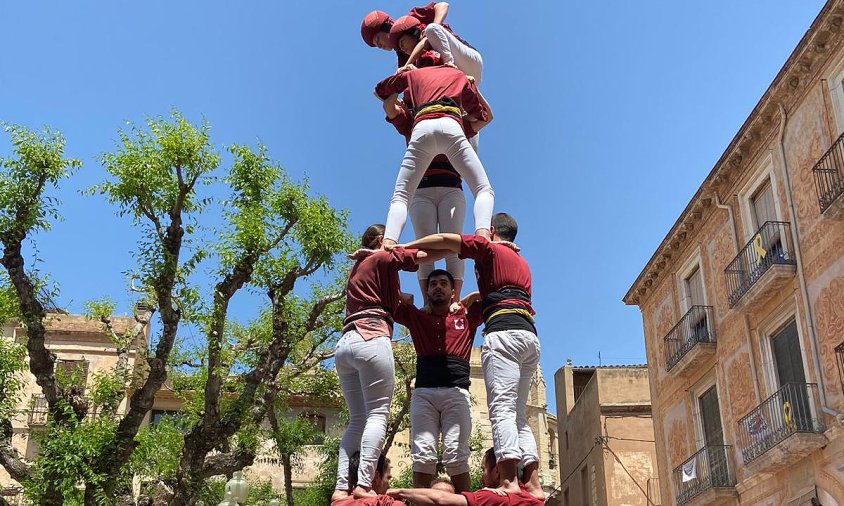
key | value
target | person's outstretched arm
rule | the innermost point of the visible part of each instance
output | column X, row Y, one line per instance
column 421, row 46
column 470, row 299
column 440, row 12
column 446, row 242
column 391, row 86
column 427, row 496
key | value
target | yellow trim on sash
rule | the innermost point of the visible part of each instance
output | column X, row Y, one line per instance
column 521, row 312
column 436, row 108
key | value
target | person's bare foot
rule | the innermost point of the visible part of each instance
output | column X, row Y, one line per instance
column 340, row 495
column 535, row 491
column 388, row 244
column 360, row 492
column 484, row 232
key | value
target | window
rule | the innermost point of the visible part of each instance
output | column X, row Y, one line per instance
column 584, row 485
column 72, row 373
column 318, row 423
column 160, row 414
column 788, row 357
column 836, row 91
column 693, row 285
column 762, row 205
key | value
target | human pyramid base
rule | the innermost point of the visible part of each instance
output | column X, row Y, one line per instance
column 440, row 115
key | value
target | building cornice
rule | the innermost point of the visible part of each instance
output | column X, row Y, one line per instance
column 791, row 83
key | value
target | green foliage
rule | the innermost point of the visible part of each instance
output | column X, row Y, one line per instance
column 99, row 309
column 159, row 446
column 9, row 303
column 12, row 370
column 273, row 230
column 106, row 391
column 151, row 163
column 39, row 163
column 68, row 450
column 319, row 492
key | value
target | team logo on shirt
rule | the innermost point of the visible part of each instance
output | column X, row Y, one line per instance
column 459, row 323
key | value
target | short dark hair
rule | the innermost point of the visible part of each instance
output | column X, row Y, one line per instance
column 442, row 479
column 441, row 272
column 369, row 239
column 354, row 465
column 505, row 226
column 489, row 459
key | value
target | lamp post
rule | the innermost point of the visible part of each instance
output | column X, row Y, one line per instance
column 237, row 488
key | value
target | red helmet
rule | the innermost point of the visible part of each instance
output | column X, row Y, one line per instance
column 428, row 59
column 373, row 23
column 400, row 26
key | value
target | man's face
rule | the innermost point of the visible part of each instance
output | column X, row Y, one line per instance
column 439, row 290
column 407, row 43
column 382, row 41
column 382, row 481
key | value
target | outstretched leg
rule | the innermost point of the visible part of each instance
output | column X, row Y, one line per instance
column 465, row 161
column 420, row 152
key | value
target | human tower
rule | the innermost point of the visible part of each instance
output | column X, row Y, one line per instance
column 440, row 114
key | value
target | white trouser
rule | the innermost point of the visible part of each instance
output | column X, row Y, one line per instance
column 440, row 410
column 367, row 377
column 509, row 359
column 430, row 138
column 452, row 50
column 439, row 209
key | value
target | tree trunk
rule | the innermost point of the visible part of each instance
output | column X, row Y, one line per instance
column 288, row 479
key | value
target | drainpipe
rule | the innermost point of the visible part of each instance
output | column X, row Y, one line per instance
column 795, row 235
column 747, row 332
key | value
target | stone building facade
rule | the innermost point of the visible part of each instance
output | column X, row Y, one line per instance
column 606, row 443
column 743, row 302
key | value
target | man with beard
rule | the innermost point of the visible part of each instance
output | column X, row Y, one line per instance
column 440, row 404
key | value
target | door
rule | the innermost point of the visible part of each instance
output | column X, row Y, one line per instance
column 698, row 330
column 768, row 241
column 713, row 436
column 794, row 409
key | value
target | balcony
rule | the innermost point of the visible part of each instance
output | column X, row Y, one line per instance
column 691, row 341
column 762, row 267
column 12, row 495
column 782, row 430
column 38, row 411
column 829, row 178
column 707, row 478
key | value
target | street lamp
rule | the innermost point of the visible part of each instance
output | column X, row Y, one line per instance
column 238, row 487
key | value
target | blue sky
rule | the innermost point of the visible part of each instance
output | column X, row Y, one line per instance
column 608, row 115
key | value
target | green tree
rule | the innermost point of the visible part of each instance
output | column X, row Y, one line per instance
column 273, row 237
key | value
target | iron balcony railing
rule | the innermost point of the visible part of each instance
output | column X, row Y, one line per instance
column 829, row 174
column 694, row 327
column 12, row 495
column 770, row 245
column 790, row 410
column 39, row 411
column 708, row 468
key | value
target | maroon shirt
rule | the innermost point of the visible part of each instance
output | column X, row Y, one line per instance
column 374, row 283
column 488, row 498
column 431, row 84
column 498, row 268
column 443, row 344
